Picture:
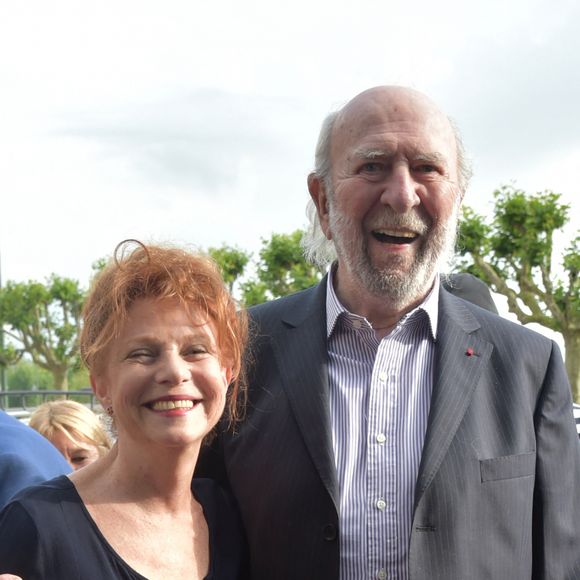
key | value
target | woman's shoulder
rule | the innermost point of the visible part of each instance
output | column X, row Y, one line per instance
column 40, row 507
column 50, row 490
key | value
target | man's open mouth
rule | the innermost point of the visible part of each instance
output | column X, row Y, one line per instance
column 395, row 236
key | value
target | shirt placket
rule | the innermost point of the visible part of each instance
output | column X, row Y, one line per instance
column 381, row 466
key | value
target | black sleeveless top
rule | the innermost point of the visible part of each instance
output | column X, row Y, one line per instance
column 47, row 533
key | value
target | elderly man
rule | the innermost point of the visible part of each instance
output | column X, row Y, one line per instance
column 394, row 430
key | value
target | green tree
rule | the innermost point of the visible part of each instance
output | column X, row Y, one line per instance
column 281, row 270
column 514, row 253
column 43, row 320
column 232, row 262
column 26, row 376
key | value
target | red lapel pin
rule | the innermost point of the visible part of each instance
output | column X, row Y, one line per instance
column 469, row 352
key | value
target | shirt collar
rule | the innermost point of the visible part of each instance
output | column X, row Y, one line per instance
column 334, row 308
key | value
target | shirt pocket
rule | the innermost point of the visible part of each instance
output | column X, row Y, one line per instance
column 508, row 466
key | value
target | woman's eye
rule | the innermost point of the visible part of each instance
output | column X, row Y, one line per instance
column 197, row 349
column 140, row 354
column 79, row 459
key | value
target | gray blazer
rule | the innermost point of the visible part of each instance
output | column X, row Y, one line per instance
column 498, row 490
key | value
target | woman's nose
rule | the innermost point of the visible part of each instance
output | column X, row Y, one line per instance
column 173, row 369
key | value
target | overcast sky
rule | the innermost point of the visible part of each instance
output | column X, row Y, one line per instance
column 195, row 122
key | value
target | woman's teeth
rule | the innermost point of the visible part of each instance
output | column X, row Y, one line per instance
column 169, row 405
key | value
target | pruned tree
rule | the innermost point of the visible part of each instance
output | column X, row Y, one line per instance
column 514, row 253
column 43, row 320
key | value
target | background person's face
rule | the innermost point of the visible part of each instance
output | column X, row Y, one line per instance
column 78, row 453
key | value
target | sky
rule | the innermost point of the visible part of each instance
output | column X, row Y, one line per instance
column 195, row 122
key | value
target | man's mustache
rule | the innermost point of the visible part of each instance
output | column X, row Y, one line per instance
column 389, row 219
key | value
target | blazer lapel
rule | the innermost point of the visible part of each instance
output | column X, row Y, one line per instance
column 460, row 358
column 301, row 354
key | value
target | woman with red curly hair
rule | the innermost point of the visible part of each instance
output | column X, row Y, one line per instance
column 163, row 342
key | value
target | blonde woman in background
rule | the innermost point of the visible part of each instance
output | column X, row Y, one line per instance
column 73, row 429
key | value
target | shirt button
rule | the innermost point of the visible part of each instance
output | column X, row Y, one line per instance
column 329, row 532
column 382, row 574
column 383, row 376
column 381, row 504
column 357, row 324
column 381, row 438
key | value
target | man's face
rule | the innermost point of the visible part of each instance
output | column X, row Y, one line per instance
column 392, row 211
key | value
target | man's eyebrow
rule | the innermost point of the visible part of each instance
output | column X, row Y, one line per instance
column 366, row 153
column 374, row 153
column 430, row 157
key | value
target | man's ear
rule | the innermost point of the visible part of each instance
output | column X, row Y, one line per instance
column 319, row 196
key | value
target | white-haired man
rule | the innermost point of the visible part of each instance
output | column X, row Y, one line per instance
column 394, row 430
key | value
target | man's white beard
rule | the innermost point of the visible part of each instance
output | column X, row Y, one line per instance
column 399, row 283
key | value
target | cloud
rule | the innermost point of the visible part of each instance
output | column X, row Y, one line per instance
column 203, row 141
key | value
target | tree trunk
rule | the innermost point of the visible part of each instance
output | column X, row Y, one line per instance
column 60, row 379
column 572, row 344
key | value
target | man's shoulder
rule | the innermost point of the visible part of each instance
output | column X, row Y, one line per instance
column 493, row 326
column 26, row 457
column 20, row 438
column 292, row 302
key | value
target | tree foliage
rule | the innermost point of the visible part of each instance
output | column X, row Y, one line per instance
column 280, row 270
column 514, row 253
column 43, row 320
column 232, row 262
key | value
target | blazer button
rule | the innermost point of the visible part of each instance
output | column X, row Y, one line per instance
column 329, row 532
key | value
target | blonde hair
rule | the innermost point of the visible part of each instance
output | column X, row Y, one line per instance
column 76, row 421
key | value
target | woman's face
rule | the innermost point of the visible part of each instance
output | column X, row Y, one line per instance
column 76, row 451
column 162, row 376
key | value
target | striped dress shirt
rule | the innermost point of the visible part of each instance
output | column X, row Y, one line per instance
column 380, row 392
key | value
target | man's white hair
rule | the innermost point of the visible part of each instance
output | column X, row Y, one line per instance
column 317, row 248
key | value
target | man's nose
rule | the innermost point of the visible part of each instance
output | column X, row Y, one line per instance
column 400, row 190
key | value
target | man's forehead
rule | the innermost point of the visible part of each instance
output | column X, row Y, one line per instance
column 396, row 101
column 377, row 114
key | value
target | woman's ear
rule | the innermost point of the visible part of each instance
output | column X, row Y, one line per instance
column 228, row 375
column 100, row 389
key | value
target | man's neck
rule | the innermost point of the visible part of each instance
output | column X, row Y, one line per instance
column 381, row 312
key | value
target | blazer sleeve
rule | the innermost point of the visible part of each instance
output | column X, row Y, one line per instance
column 556, row 520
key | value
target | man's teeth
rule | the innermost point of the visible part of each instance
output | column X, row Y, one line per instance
column 168, row 405
column 396, row 233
